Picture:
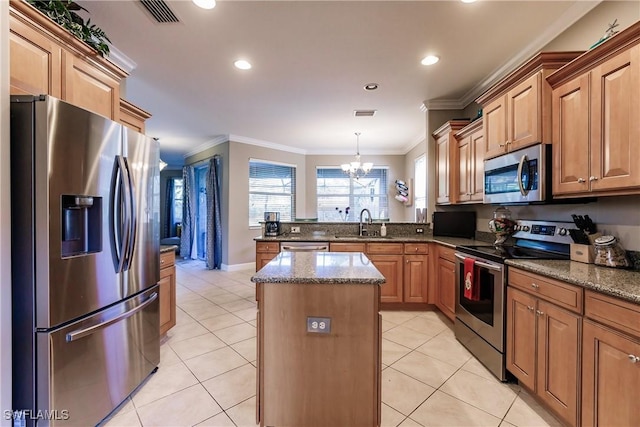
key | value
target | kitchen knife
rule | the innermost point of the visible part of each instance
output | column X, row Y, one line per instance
column 579, row 236
column 590, row 227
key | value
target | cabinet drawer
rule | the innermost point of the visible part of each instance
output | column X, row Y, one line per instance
column 385, row 248
column 618, row 314
column 446, row 253
column 273, row 247
column 557, row 292
column 167, row 259
column 348, row 247
column 416, row 248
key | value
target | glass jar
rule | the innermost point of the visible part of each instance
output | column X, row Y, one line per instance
column 502, row 225
column 610, row 253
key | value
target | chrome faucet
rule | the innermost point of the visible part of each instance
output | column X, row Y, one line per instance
column 369, row 221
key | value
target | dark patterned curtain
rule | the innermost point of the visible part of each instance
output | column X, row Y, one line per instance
column 168, row 213
column 187, row 239
column 214, row 222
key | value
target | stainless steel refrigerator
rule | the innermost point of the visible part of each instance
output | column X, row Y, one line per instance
column 85, row 261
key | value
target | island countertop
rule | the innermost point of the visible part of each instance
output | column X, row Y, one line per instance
column 320, row 268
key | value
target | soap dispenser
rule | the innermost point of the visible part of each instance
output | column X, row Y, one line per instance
column 383, row 230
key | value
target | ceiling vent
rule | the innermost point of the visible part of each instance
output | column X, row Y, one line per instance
column 160, row 11
column 364, row 113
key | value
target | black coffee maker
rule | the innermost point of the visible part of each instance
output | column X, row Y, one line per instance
column 271, row 223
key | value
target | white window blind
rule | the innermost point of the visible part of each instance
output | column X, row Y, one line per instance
column 272, row 188
column 420, row 182
column 336, row 191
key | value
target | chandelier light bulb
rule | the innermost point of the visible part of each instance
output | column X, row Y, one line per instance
column 357, row 169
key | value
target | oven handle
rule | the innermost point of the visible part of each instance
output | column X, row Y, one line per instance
column 520, row 167
column 482, row 264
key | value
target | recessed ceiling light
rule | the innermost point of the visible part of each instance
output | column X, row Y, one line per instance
column 468, row 1
column 371, row 86
column 242, row 64
column 205, row 4
column 430, row 60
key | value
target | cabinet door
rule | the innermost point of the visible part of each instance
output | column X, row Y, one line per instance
column 559, row 346
column 167, row 293
column 610, row 377
column 615, row 127
column 263, row 259
column 524, row 125
column 570, row 133
column 495, row 127
column 86, row 86
column 463, row 189
column 442, row 170
column 446, row 288
column 416, row 272
column 390, row 266
column 476, row 169
column 34, row 61
column 521, row 336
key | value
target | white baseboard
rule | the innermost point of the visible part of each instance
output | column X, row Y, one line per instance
column 239, row 267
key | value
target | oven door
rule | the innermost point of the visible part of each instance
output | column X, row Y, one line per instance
column 517, row 177
column 485, row 316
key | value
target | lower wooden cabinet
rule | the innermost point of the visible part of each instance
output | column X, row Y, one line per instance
column 543, row 351
column 265, row 252
column 167, row 291
column 416, row 273
column 390, row 266
column 610, row 362
column 445, row 281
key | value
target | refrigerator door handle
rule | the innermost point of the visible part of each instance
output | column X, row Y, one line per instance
column 126, row 222
column 115, row 214
column 133, row 223
column 76, row 335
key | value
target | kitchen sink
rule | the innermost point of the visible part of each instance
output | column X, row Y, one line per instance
column 364, row 237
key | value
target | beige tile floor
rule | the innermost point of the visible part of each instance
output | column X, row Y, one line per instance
column 207, row 371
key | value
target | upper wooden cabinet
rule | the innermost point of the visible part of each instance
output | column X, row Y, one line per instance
column 132, row 116
column 595, row 110
column 470, row 165
column 46, row 59
column 517, row 109
column 446, row 158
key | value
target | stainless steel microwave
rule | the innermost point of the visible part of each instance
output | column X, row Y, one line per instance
column 522, row 176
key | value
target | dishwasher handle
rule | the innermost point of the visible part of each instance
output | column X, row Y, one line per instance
column 310, row 248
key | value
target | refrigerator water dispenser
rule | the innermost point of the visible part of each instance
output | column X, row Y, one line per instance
column 81, row 225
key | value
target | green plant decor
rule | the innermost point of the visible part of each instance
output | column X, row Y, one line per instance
column 63, row 13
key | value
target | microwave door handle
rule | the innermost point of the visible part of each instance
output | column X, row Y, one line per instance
column 523, row 191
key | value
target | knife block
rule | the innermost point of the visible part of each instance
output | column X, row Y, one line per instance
column 582, row 253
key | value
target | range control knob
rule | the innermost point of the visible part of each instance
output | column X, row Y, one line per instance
column 562, row 232
column 526, row 228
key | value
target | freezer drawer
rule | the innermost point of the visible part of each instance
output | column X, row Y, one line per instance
column 89, row 367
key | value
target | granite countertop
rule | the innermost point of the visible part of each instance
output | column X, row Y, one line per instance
column 320, row 268
column 451, row 242
column 624, row 284
column 167, row 248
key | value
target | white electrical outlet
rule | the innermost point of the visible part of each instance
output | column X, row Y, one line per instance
column 319, row 325
column 295, row 229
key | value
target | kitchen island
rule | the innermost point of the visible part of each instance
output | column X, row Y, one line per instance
column 319, row 340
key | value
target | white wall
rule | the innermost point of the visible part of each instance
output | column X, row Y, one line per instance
column 410, row 171
column 5, row 226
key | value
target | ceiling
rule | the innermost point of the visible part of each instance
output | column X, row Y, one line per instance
column 311, row 60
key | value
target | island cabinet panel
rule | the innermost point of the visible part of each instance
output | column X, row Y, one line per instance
column 318, row 379
column 35, row 61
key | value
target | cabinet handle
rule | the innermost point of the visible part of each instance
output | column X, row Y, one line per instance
column 529, row 308
column 535, row 285
column 540, row 313
column 593, row 178
column 634, row 358
column 161, row 261
column 407, row 261
column 581, row 180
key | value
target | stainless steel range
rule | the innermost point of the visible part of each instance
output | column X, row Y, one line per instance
column 480, row 318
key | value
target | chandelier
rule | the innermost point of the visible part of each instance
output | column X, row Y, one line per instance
column 356, row 169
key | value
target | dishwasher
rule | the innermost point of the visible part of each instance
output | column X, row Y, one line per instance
column 304, row 247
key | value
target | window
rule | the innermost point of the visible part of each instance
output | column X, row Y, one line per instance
column 177, row 200
column 420, row 182
column 336, row 191
column 272, row 188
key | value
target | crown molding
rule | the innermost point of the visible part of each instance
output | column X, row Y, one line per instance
column 420, row 139
column 266, row 144
column 121, row 60
column 220, row 139
column 548, row 34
